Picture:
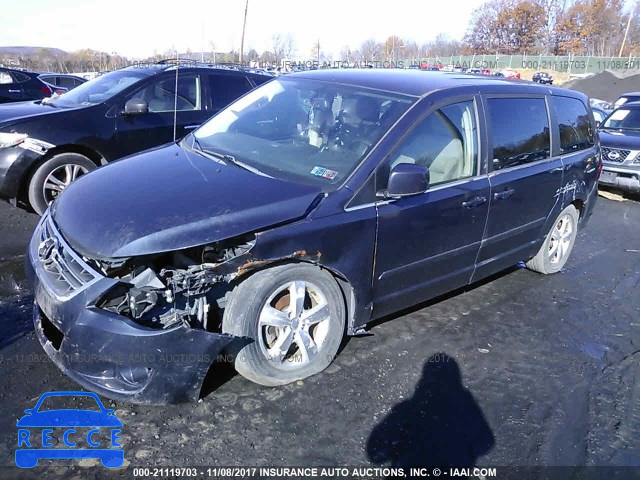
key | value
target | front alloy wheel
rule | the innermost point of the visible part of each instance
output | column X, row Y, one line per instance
column 53, row 176
column 295, row 315
column 293, row 324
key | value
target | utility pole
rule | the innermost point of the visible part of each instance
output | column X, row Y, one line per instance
column 244, row 26
column 626, row 32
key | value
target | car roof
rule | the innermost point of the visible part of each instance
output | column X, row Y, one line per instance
column 20, row 70
column 66, row 75
column 630, row 94
column 419, row 83
column 155, row 68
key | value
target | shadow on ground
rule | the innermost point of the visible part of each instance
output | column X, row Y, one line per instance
column 440, row 425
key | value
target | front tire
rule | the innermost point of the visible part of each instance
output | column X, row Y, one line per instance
column 295, row 314
column 53, row 176
column 558, row 244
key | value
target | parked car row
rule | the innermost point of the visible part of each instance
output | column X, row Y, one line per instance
column 314, row 205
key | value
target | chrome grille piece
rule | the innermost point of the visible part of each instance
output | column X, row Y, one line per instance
column 614, row 155
column 66, row 272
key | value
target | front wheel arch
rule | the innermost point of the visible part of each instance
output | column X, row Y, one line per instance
column 23, row 191
column 244, row 313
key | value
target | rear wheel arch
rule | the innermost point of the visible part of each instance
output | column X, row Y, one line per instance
column 579, row 205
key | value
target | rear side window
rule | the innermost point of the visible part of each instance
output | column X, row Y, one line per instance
column 66, row 82
column 575, row 127
column 260, row 79
column 520, row 131
column 21, row 77
column 226, row 88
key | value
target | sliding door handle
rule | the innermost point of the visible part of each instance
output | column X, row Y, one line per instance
column 503, row 195
column 474, row 202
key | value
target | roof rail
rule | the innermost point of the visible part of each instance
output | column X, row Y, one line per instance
column 187, row 62
column 172, row 61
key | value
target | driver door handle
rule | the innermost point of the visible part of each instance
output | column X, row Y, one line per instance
column 503, row 195
column 474, row 202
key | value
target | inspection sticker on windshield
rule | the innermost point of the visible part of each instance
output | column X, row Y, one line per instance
column 324, row 173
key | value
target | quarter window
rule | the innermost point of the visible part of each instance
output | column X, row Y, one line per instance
column 519, row 130
column 575, row 126
column 445, row 141
column 226, row 88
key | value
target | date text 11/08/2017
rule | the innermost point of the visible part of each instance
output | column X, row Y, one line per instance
column 313, row 472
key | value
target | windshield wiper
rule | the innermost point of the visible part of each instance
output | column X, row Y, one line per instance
column 228, row 158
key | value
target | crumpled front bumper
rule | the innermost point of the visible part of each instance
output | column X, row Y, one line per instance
column 112, row 355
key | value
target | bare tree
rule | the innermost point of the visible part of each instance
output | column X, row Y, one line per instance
column 369, row 51
column 283, row 47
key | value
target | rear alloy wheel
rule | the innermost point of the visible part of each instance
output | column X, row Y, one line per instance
column 53, row 176
column 294, row 314
column 558, row 244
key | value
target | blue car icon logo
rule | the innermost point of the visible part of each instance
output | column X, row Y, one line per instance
column 69, row 433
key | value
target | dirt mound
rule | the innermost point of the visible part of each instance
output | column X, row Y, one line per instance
column 606, row 85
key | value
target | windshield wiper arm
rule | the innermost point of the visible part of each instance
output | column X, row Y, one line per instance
column 228, row 158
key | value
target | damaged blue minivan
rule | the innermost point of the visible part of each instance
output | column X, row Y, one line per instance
column 310, row 207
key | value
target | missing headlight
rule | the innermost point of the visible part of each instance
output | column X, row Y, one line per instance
column 182, row 291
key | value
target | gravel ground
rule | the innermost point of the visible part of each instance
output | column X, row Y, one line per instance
column 607, row 85
column 522, row 370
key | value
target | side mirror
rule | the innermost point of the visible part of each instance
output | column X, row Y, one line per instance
column 598, row 122
column 29, row 411
column 406, row 179
column 135, row 106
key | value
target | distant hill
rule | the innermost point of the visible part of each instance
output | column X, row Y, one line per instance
column 28, row 51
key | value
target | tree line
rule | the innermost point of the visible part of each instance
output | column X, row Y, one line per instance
column 553, row 27
column 531, row 27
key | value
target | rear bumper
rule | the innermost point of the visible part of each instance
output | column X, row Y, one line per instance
column 114, row 356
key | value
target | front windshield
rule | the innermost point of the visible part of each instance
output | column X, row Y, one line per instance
column 302, row 130
column 99, row 89
column 624, row 118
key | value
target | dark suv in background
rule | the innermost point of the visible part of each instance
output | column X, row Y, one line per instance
column 309, row 208
column 45, row 145
column 21, row 85
column 620, row 140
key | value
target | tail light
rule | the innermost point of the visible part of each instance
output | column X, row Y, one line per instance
column 46, row 90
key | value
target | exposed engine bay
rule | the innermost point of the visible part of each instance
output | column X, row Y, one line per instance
column 186, row 287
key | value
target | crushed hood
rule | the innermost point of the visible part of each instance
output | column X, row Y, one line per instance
column 171, row 198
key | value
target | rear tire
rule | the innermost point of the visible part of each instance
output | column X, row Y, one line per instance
column 53, row 176
column 295, row 314
column 558, row 244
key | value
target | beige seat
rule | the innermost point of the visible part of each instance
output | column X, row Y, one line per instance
column 447, row 164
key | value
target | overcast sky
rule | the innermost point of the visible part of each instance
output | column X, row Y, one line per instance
column 135, row 28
